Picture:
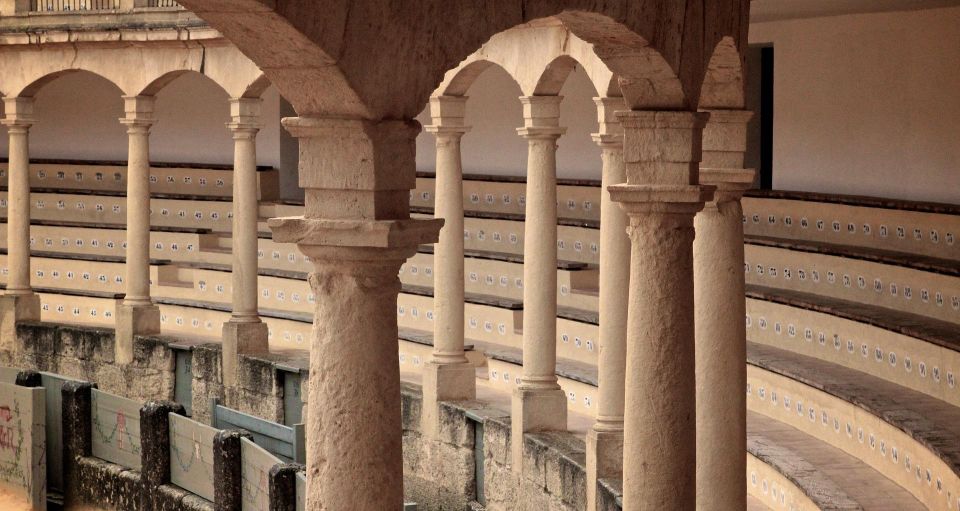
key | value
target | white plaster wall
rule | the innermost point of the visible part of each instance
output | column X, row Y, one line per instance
column 77, row 118
column 493, row 147
column 867, row 104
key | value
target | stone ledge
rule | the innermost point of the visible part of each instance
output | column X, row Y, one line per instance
column 821, row 490
column 892, row 403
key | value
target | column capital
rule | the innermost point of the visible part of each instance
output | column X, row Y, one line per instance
column 607, row 108
column 730, row 183
column 447, row 114
column 138, row 113
column 244, row 116
column 725, row 139
column 662, row 148
column 18, row 114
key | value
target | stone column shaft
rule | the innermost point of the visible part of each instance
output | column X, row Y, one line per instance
column 605, row 439
column 245, row 332
column 19, row 302
column 661, row 197
column 720, row 310
column 357, row 231
column 539, row 403
column 448, row 375
column 137, row 315
column 18, row 123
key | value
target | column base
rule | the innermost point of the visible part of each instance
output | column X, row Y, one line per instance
column 445, row 382
column 604, row 460
column 534, row 410
column 14, row 308
column 241, row 338
column 134, row 320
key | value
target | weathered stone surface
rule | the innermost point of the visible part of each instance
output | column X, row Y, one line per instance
column 283, row 486
column 77, row 439
column 227, row 475
column 155, row 449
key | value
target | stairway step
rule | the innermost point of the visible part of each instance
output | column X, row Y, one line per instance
column 928, row 420
column 850, row 476
column 941, row 333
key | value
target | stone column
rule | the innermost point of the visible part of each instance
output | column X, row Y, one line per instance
column 357, row 231
column 661, row 197
column 137, row 315
column 539, row 403
column 448, row 376
column 605, row 439
column 19, row 302
column 721, row 373
column 245, row 332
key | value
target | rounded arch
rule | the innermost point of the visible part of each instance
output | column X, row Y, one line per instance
column 723, row 81
column 555, row 75
column 33, row 88
column 462, row 78
column 159, row 83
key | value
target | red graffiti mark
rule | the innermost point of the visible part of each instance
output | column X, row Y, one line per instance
column 5, row 413
column 122, row 427
column 6, row 439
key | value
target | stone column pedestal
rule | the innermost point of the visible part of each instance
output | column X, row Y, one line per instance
column 137, row 314
column 357, row 231
column 539, row 404
column 661, row 197
column 448, row 376
column 721, row 373
column 245, row 333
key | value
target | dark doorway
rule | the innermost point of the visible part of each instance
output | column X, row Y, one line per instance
column 759, row 100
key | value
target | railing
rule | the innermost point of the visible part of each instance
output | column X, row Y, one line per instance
column 162, row 3
column 73, row 5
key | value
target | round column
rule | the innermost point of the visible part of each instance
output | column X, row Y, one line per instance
column 605, row 439
column 18, row 121
column 245, row 333
column 136, row 314
column 539, row 403
column 661, row 198
column 448, row 375
column 721, row 373
column 357, row 231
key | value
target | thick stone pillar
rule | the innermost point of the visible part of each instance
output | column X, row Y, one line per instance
column 720, row 311
column 137, row 315
column 448, row 376
column 245, row 332
column 605, row 439
column 357, row 231
column 539, row 403
column 661, row 197
column 19, row 302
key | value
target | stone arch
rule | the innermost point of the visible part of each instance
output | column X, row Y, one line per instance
column 31, row 89
column 158, row 83
column 723, row 82
column 369, row 59
column 461, row 79
column 554, row 76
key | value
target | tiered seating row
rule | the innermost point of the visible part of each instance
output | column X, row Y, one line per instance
column 213, row 181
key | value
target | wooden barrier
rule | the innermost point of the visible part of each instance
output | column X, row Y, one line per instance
column 165, row 179
column 191, row 456
column 23, row 446
column 286, row 442
column 115, row 428
column 255, row 465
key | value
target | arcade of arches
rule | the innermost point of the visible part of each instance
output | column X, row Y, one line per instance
column 551, row 206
